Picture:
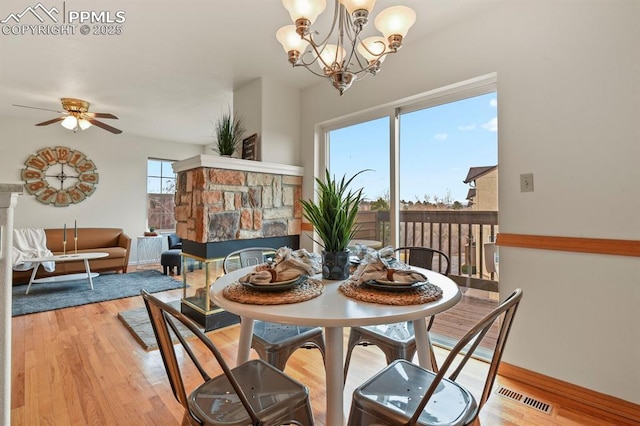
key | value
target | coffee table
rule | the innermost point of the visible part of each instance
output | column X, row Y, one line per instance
column 65, row 277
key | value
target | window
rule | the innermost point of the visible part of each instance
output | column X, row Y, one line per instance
column 161, row 188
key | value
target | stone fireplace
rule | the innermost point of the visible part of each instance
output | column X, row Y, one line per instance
column 225, row 204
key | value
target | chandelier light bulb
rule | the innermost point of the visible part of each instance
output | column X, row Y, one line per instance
column 331, row 57
column 304, row 9
column 395, row 21
column 353, row 5
column 70, row 122
column 372, row 47
column 291, row 41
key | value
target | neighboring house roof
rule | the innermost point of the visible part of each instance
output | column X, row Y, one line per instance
column 471, row 194
column 476, row 172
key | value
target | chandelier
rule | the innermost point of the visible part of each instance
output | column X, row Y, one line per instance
column 343, row 55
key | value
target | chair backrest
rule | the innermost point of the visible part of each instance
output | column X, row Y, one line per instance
column 174, row 241
column 163, row 317
column 425, row 257
column 504, row 314
column 250, row 256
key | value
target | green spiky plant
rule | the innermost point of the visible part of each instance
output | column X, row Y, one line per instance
column 335, row 213
column 228, row 131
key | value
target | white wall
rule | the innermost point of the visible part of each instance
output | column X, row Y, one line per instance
column 569, row 102
column 281, row 123
column 120, row 197
column 247, row 102
column 273, row 112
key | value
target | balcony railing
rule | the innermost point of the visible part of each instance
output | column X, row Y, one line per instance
column 465, row 236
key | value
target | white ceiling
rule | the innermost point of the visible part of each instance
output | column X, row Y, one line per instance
column 173, row 69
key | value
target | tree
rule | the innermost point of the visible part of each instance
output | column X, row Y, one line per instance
column 380, row 204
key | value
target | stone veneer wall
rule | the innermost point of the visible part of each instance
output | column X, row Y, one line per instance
column 220, row 205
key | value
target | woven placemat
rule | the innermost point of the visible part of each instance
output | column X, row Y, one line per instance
column 423, row 294
column 242, row 294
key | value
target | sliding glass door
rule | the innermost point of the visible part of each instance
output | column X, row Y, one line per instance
column 432, row 182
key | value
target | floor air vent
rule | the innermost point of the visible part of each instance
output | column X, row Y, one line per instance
column 524, row 399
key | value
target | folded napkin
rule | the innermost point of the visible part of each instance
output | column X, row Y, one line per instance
column 287, row 265
column 377, row 268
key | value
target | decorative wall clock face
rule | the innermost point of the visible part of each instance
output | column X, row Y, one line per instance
column 60, row 176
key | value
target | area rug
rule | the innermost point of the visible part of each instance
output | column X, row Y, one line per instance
column 49, row 296
column 137, row 322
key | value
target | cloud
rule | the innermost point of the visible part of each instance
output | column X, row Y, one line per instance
column 493, row 102
column 491, row 125
column 440, row 136
column 467, row 128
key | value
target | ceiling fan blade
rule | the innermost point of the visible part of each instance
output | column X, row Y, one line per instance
column 43, row 109
column 100, row 115
column 104, row 126
column 55, row 120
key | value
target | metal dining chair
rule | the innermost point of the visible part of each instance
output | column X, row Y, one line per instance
column 274, row 342
column 252, row 393
column 398, row 340
column 406, row 394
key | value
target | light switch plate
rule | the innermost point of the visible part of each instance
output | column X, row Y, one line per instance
column 526, row 182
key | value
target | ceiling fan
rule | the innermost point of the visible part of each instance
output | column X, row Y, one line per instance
column 77, row 116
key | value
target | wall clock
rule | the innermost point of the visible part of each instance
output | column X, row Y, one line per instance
column 60, row 176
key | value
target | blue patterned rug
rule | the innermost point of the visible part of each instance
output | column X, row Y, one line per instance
column 49, row 296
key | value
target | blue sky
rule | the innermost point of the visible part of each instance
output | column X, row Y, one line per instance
column 438, row 145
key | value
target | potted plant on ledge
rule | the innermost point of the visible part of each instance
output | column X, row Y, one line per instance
column 333, row 217
column 228, row 131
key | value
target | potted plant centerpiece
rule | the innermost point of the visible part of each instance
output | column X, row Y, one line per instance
column 333, row 217
column 228, row 132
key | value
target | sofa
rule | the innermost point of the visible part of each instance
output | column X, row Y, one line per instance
column 112, row 241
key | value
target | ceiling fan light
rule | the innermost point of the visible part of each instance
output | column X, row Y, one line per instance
column 84, row 124
column 304, row 9
column 395, row 21
column 70, row 122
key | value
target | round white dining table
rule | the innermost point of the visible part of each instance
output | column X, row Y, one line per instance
column 334, row 311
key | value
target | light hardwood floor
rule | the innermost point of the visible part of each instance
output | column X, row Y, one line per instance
column 81, row 366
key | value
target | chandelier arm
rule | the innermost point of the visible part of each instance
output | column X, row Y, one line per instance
column 318, row 56
column 309, row 69
column 346, row 27
column 359, row 57
column 333, row 26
